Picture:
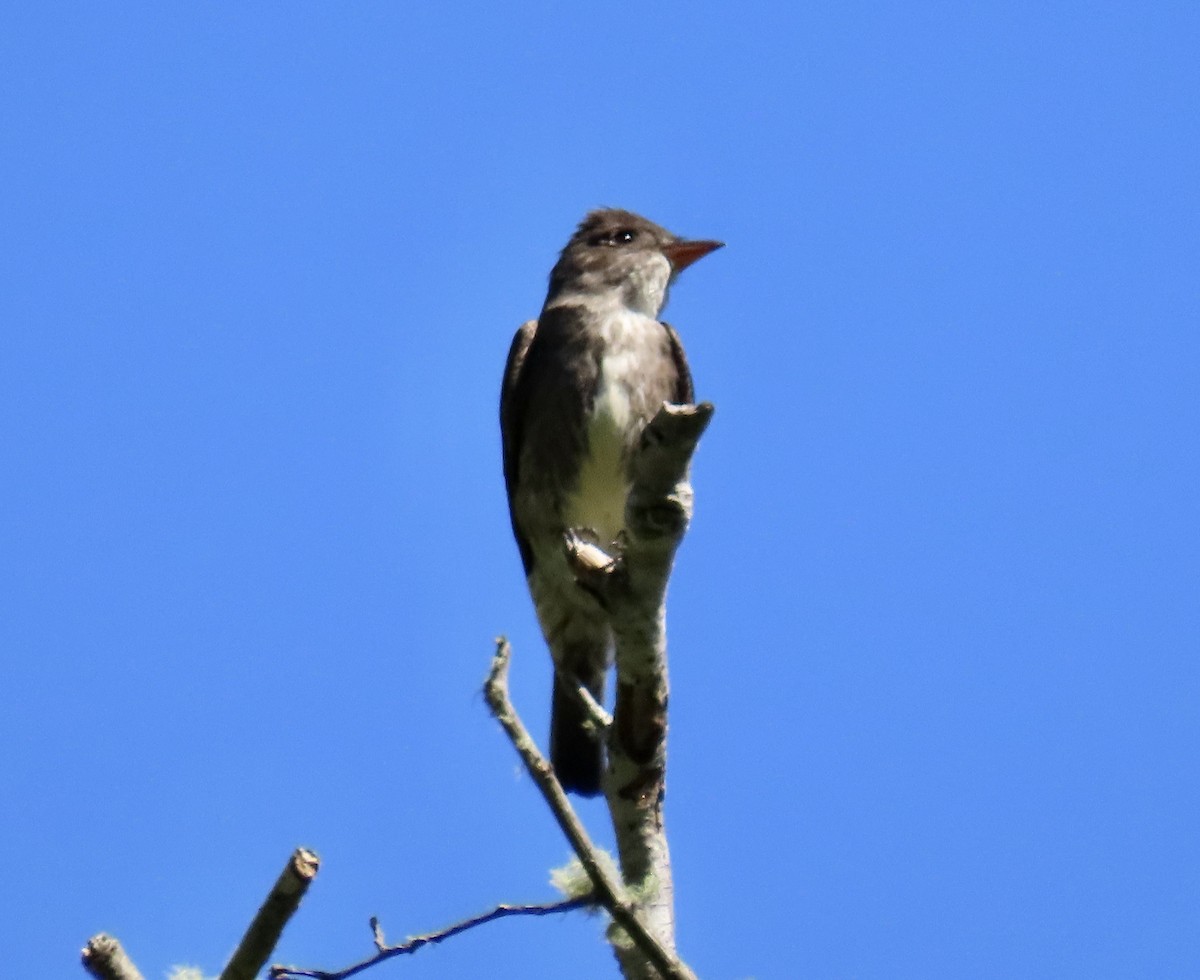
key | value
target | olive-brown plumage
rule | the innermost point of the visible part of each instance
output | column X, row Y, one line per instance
column 580, row 384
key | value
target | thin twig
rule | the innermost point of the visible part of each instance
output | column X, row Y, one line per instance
column 411, row 945
column 608, row 892
column 593, row 709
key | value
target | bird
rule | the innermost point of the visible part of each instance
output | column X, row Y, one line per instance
column 580, row 384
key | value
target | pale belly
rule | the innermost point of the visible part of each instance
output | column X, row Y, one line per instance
column 599, row 498
column 617, row 417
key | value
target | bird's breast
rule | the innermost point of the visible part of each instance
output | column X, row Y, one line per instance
column 631, row 355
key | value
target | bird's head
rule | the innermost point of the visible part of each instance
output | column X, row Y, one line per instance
column 619, row 255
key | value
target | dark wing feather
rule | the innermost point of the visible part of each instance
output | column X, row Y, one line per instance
column 683, row 393
column 512, row 425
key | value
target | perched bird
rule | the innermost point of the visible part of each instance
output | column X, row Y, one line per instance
column 580, row 384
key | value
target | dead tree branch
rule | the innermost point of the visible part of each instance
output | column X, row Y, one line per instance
column 104, row 959
column 412, row 944
column 633, row 588
column 608, row 893
column 261, row 938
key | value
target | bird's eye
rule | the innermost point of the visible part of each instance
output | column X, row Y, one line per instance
column 622, row 237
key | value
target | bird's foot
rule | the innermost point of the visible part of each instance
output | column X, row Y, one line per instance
column 585, row 553
column 592, row 566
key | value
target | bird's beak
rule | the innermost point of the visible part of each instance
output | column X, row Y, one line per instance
column 683, row 253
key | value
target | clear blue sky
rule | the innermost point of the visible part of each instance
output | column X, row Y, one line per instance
column 934, row 632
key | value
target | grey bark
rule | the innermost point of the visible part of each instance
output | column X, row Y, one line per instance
column 633, row 587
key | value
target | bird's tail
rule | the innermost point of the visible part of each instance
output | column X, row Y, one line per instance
column 576, row 749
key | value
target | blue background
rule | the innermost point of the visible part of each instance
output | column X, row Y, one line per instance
column 934, row 631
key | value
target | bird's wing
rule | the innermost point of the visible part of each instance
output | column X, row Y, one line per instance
column 683, row 393
column 512, row 424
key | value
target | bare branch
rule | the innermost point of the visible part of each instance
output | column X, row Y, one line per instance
column 632, row 588
column 262, row 936
column 608, row 892
column 104, row 959
column 593, row 708
column 411, row 945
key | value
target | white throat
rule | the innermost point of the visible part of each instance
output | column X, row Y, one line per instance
column 639, row 287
